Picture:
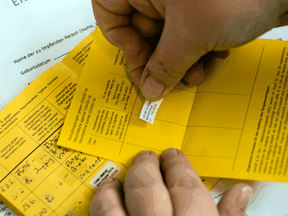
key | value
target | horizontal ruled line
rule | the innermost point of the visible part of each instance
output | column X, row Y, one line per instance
column 215, row 127
column 210, row 156
column 61, row 56
column 222, row 93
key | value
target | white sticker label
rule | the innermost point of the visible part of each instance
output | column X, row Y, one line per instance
column 149, row 110
column 109, row 170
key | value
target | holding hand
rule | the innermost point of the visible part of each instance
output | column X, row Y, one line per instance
column 175, row 190
column 167, row 41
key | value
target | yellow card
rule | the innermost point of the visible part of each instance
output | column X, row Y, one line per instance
column 37, row 177
column 106, row 111
column 238, row 124
column 234, row 125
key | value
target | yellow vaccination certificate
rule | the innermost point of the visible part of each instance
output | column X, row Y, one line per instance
column 37, row 177
column 234, row 125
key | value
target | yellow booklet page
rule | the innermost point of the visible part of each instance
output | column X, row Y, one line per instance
column 231, row 126
column 36, row 176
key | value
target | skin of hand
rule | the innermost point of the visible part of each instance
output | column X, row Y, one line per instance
column 165, row 186
column 166, row 41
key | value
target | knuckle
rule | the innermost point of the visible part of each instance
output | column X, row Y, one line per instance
column 141, row 180
column 133, row 186
column 162, row 71
column 188, row 184
column 99, row 206
column 177, row 161
column 180, row 174
column 142, row 177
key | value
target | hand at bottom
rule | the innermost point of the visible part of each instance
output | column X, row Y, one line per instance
column 168, row 186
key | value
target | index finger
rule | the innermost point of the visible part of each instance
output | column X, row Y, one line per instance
column 112, row 18
column 188, row 194
column 144, row 188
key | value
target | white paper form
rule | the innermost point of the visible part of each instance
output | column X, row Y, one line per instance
column 280, row 33
column 36, row 34
column 267, row 199
column 271, row 200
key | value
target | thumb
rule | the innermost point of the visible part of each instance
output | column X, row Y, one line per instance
column 174, row 55
column 235, row 201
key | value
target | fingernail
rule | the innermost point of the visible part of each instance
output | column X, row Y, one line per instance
column 142, row 153
column 152, row 88
column 108, row 180
column 201, row 63
column 243, row 199
column 169, row 153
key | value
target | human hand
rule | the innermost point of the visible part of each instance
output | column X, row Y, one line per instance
column 175, row 190
column 194, row 31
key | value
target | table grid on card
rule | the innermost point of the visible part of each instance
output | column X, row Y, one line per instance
column 232, row 123
column 46, row 167
column 215, row 124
